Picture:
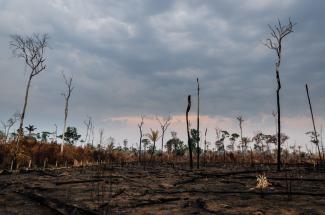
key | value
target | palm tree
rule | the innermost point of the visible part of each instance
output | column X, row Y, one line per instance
column 153, row 136
column 30, row 129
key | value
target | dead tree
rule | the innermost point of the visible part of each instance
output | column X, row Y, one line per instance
column 56, row 133
column 92, row 132
column 8, row 125
column 101, row 135
column 189, row 139
column 314, row 127
column 88, row 123
column 205, row 146
column 32, row 50
column 241, row 120
column 198, row 125
column 66, row 95
column 278, row 33
column 141, row 135
column 164, row 126
column 321, row 141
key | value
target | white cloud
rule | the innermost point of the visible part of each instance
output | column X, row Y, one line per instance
column 132, row 57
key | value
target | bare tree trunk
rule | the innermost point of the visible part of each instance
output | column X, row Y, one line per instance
column 141, row 135
column 88, row 124
column 164, row 126
column 67, row 94
column 198, row 125
column 278, row 32
column 279, row 113
column 189, row 141
column 321, row 142
column 205, row 146
column 22, row 116
column 240, row 120
column 314, row 127
column 56, row 133
column 64, row 126
column 162, row 145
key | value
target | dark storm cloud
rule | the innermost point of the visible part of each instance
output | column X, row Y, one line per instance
column 133, row 57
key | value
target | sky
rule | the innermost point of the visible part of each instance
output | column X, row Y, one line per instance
column 131, row 58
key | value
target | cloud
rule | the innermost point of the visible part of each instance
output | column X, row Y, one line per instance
column 142, row 57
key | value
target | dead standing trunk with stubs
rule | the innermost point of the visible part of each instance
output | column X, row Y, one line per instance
column 314, row 127
column 241, row 120
column 205, row 147
column 67, row 94
column 141, row 135
column 189, row 140
column 278, row 33
column 198, row 125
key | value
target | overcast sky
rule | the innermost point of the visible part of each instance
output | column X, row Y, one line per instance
column 135, row 57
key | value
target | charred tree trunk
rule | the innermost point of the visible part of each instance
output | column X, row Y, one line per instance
column 141, row 135
column 189, row 140
column 205, row 147
column 198, row 125
column 278, row 32
column 279, row 115
column 314, row 127
column 162, row 145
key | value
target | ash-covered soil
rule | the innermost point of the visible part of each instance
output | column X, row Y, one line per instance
column 161, row 189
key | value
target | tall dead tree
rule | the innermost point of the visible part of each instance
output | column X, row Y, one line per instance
column 189, row 139
column 278, row 33
column 164, row 126
column 314, row 127
column 241, row 120
column 32, row 50
column 66, row 95
column 198, row 125
column 141, row 135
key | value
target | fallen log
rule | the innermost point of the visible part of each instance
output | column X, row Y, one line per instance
column 187, row 181
column 109, row 176
column 77, row 181
column 154, row 202
column 283, row 178
column 57, row 205
column 47, row 173
column 236, row 192
column 211, row 175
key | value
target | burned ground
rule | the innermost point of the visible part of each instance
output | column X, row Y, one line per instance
column 161, row 189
